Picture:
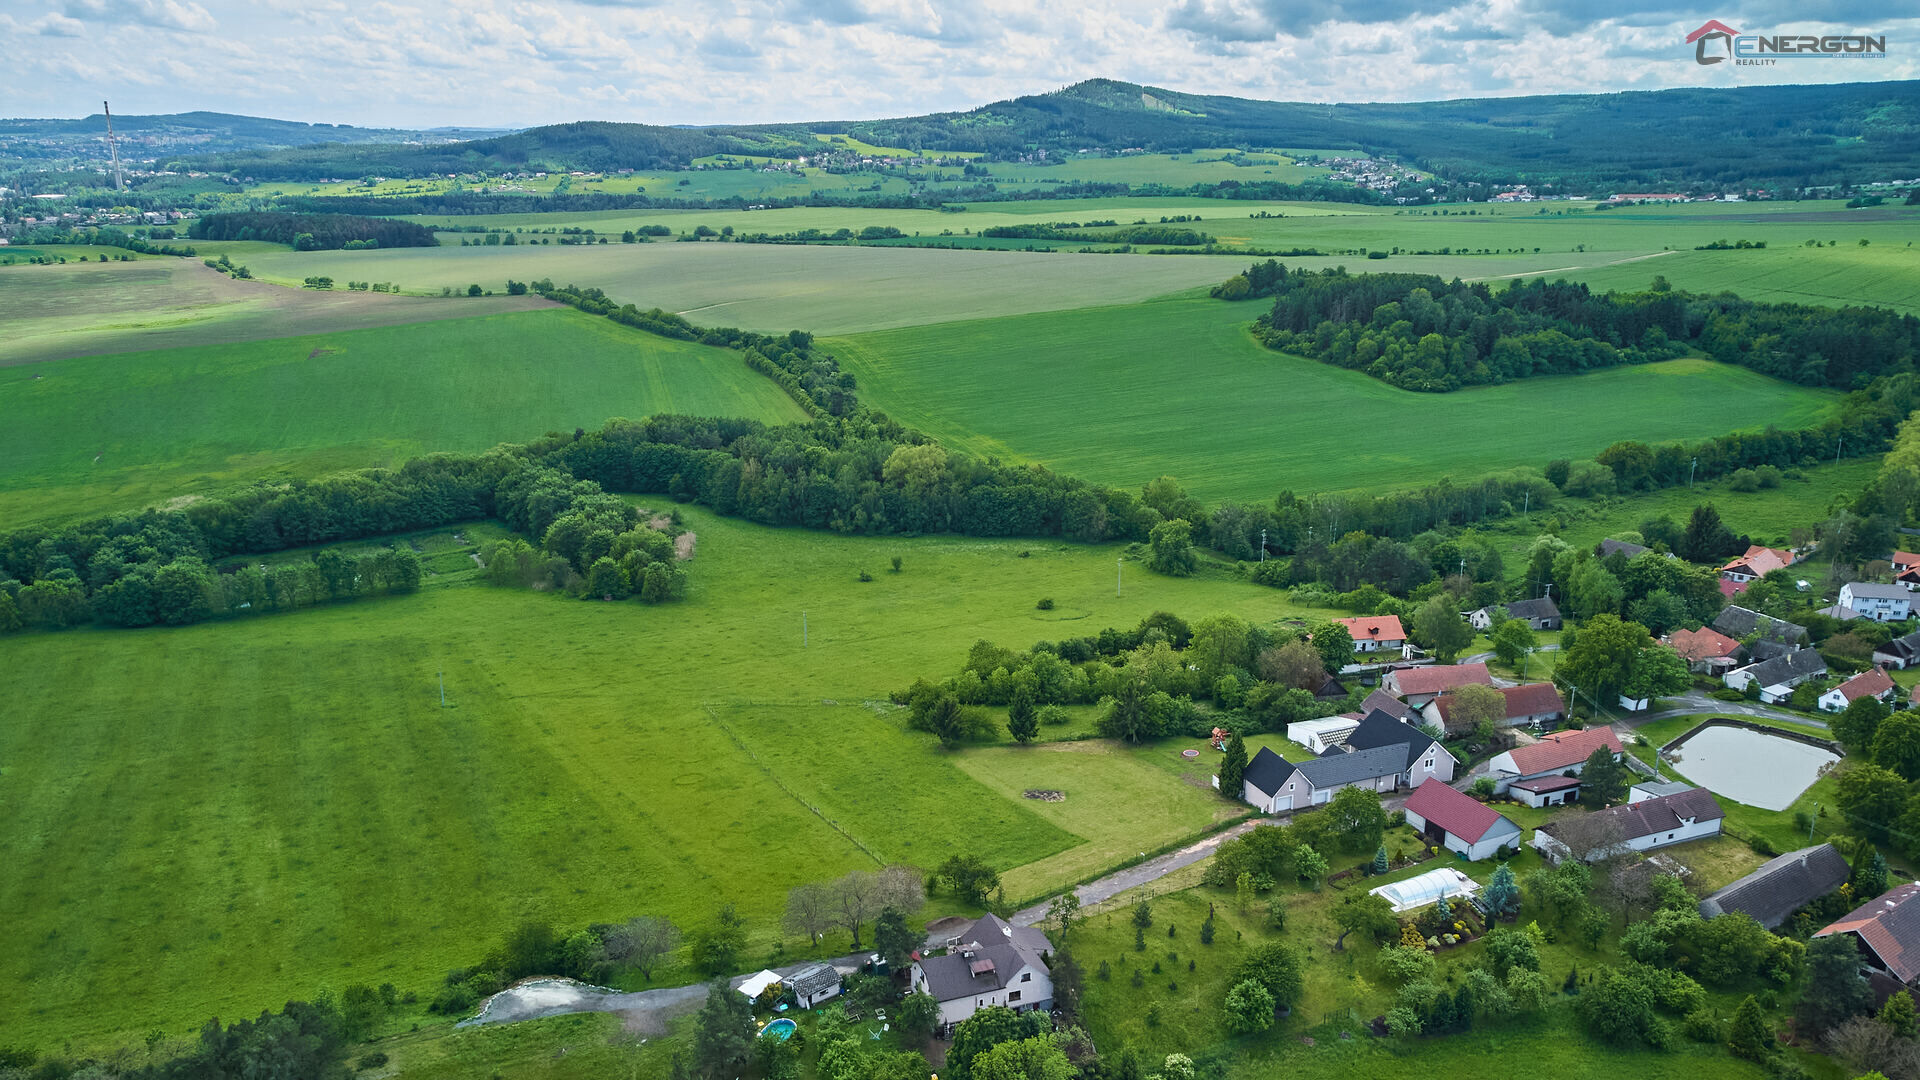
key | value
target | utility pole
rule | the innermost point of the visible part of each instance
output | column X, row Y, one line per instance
column 1838, row 442
column 1526, row 507
column 1811, row 818
column 1118, row 566
column 1692, row 466
column 1263, row 545
column 113, row 148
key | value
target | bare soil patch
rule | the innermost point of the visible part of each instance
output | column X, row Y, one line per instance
column 683, row 546
column 1044, row 795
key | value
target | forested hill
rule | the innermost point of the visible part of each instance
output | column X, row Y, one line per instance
column 1760, row 135
column 163, row 136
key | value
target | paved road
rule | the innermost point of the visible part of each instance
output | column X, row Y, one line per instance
column 1154, row 869
column 645, row 1011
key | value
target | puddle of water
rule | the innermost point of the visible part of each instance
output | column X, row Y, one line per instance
column 1747, row 766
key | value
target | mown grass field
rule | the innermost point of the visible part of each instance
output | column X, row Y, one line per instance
column 214, row 819
column 1178, row 387
column 92, row 434
column 778, row 288
column 84, row 309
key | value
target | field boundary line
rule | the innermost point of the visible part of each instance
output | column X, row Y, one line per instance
column 782, row 785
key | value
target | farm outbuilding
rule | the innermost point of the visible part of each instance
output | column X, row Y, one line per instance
column 1323, row 734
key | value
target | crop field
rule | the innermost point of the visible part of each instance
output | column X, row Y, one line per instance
column 83, row 309
column 1178, row 387
column 763, row 287
column 91, row 434
column 283, row 805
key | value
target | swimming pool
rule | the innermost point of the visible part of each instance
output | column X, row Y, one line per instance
column 781, row 1029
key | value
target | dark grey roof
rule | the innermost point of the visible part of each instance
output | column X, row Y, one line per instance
column 1267, row 771
column 1360, row 765
column 1380, row 728
column 1008, row 948
column 1766, row 649
column 813, row 980
column 1873, row 591
column 1392, row 706
column 1651, row 816
column 1610, row 547
column 1540, row 607
column 1800, row 663
column 1781, row 886
column 1657, row 788
column 1906, row 648
column 1741, row 623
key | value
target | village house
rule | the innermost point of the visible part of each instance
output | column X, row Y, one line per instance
column 1757, row 563
column 1376, row 633
column 1546, row 791
column 1781, row 886
column 1883, row 603
column 1741, row 624
column 1887, row 929
column 1904, row 561
column 1643, row 826
column 1554, row 754
column 1707, row 651
column 1275, row 785
column 1528, row 705
column 814, row 984
column 1777, row 677
column 1419, row 685
column 1458, row 822
column 1425, row 758
column 1540, row 613
column 990, row 963
column 1873, row 683
column 1900, row 653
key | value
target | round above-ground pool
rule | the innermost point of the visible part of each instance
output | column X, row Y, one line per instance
column 781, row 1029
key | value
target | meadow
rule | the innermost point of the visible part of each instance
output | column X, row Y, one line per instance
column 213, row 819
column 93, row 434
column 1178, row 387
column 84, row 309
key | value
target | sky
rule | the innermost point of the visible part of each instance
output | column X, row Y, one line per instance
column 518, row 63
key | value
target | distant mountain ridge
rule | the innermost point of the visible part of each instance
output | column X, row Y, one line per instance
column 172, row 134
column 1758, row 136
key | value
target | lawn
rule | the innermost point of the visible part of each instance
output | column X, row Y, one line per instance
column 1121, row 395
column 95, row 434
column 213, row 819
column 82, row 309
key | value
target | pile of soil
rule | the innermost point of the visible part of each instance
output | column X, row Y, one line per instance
column 1046, row 796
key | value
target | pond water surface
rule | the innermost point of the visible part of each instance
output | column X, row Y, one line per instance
column 1767, row 771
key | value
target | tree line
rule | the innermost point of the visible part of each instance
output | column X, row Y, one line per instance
column 1420, row 332
column 311, row 232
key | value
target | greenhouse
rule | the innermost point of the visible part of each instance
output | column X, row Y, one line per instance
column 1322, row 734
column 1428, row 888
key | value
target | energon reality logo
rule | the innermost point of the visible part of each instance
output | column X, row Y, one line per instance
column 1716, row 43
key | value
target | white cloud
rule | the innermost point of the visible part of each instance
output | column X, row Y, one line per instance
column 418, row 63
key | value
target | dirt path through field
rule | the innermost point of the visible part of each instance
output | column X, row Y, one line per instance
column 1567, row 269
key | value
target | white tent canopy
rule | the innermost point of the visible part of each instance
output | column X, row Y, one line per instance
column 1318, row 735
column 1428, row 888
column 757, row 983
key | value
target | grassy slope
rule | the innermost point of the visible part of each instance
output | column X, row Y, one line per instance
column 180, row 421
column 83, row 309
column 777, row 288
column 212, row 819
column 1179, row 387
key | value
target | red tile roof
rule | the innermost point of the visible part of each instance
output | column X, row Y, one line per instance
column 1563, row 750
column 1705, row 643
column 1434, row 680
column 1375, row 628
column 1890, row 926
column 1732, row 589
column 1456, row 812
column 1533, row 699
column 1905, row 558
column 1870, row 683
column 1760, row 561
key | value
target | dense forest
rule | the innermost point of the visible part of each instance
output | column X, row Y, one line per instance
column 1419, row 332
column 312, row 232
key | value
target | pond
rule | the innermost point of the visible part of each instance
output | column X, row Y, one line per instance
column 1752, row 767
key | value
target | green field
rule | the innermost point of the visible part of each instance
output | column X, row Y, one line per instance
column 84, row 309
column 778, row 288
column 213, row 819
column 99, row 433
column 1178, row 387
